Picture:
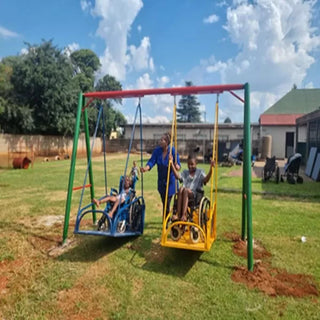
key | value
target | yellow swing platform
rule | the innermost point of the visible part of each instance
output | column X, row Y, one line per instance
column 199, row 231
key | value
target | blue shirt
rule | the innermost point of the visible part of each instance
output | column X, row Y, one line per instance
column 162, row 164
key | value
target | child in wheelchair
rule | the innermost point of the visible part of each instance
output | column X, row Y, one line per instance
column 192, row 181
column 116, row 199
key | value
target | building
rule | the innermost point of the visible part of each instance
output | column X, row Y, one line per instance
column 196, row 136
column 279, row 121
column 308, row 133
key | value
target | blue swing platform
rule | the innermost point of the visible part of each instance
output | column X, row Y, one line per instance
column 128, row 219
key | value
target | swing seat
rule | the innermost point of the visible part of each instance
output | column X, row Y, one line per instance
column 128, row 220
column 197, row 216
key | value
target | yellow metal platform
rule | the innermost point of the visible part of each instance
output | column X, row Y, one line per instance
column 206, row 238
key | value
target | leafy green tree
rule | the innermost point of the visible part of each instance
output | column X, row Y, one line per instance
column 113, row 118
column 5, row 85
column 188, row 108
column 14, row 117
column 227, row 120
column 85, row 63
column 42, row 80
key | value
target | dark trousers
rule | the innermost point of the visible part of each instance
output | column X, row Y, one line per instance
column 163, row 198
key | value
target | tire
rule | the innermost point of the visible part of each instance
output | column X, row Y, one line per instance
column 277, row 175
column 135, row 215
column 204, row 208
column 194, row 234
column 264, row 175
column 299, row 179
column 290, row 179
column 175, row 233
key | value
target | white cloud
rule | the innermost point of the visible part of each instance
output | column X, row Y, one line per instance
column 211, row 19
column 139, row 28
column 85, row 5
column 309, row 85
column 144, row 82
column 71, row 48
column 156, row 119
column 222, row 4
column 6, row 33
column 23, row 51
column 140, row 56
column 163, row 81
column 116, row 18
column 276, row 45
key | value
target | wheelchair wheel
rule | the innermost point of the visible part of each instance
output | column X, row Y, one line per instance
column 290, row 179
column 135, row 212
column 264, row 175
column 299, row 179
column 103, row 223
column 277, row 175
column 203, row 213
column 194, row 234
column 121, row 227
column 175, row 233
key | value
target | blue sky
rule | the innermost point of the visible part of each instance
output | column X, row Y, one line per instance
column 272, row 44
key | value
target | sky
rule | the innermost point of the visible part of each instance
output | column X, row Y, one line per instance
column 271, row 44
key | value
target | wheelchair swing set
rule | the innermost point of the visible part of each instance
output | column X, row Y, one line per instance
column 199, row 231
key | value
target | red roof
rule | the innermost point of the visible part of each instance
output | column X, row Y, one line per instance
column 279, row 119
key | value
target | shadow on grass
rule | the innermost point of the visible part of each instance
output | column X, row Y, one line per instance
column 92, row 248
column 169, row 261
column 158, row 259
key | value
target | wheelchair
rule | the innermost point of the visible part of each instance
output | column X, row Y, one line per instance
column 271, row 170
column 128, row 219
column 197, row 213
column 291, row 169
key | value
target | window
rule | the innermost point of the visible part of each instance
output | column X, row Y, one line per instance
column 313, row 131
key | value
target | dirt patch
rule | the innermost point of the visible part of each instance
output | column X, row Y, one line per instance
column 259, row 252
column 79, row 304
column 240, row 247
column 44, row 244
column 83, row 300
column 264, row 277
column 275, row 282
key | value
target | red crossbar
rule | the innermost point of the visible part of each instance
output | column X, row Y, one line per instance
column 81, row 187
column 173, row 91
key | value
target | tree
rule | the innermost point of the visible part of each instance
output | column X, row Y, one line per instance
column 188, row 109
column 42, row 81
column 114, row 118
column 85, row 63
column 5, row 85
column 227, row 120
column 13, row 117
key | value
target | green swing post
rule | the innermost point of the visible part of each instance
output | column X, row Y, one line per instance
column 247, row 196
column 244, row 206
column 87, row 135
column 72, row 168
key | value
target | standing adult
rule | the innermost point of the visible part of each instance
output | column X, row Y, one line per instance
column 160, row 157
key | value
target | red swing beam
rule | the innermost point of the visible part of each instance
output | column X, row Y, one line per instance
column 173, row 91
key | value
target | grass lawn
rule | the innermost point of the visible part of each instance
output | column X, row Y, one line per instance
column 136, row 278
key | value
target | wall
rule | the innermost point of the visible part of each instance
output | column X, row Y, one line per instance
column 194, row 131
column 42, row 147
column 12, row 146
column 278, row 134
